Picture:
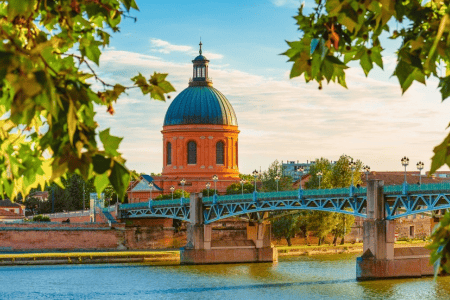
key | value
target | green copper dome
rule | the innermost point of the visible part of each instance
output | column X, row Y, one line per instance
column 200, row 105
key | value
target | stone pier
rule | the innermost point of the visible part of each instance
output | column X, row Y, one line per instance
column 201, row 249
column 380, row 259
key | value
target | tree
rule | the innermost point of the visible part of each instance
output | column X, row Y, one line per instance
column 48, row 128
column 335, row 175
column 268, row 179
column 211, row 192
column 285, row 227
column 177, row 194
column 338, row 32
column 236, row 188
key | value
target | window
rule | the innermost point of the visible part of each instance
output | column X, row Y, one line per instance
column 192, row 153
column 219, row 153
column 169, row 153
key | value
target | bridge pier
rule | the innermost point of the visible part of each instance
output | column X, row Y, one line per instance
column 200, row 249
column 379, row 259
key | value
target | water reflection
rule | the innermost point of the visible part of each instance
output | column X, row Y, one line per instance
column 316, row 277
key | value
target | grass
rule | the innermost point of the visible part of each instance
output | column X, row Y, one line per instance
column 89, row 254
column 306, row 247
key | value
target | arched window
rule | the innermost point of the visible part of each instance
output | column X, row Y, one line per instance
column 192, row 153
column 169, row 153
column 219, row 153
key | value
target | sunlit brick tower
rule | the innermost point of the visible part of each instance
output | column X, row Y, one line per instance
column 200, row 136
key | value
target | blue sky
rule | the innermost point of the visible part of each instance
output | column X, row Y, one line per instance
column 279, row 118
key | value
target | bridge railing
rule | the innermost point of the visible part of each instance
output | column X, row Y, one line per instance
column 418, row 188
column 155, row 203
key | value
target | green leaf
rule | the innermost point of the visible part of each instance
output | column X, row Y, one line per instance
column 101, row 163
column 111, row 143
column 366, row 63
column 101, row 182
column 119, row 178
column 71, row 121
column 444, row 84
column 441, row 157
column 93, row 52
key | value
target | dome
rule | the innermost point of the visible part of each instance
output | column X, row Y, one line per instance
column 200, row 105
column 200, row 58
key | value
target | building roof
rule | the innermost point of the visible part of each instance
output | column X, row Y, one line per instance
column 200, row 58
column 143, row 184
column 397, row 178
column 8, row 203
column 200, row 105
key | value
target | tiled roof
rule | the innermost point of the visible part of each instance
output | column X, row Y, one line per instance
column 8, row 203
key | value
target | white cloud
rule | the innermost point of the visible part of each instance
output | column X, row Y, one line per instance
column 288, row 3
column 286, row 119
column 165, row 47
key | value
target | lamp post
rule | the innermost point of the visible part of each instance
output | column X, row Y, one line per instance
column 255, row 174
column 300, row 174
column 151, row 184
column 208, row 186
column 352, row 166
column 172, row 188
column 183, row 182
column 319, row 174
column 420, row 166
column 277, row 179
column 242, row 181
column 405, row 163
column 367, row 169
column 215, row 178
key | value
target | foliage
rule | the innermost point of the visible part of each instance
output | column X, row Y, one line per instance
column 342, row 227
column 268, row 180
column 177, row 194
column 440, row 246
column 236, row 188
column 338, row 32
column 335, row 175
column 285, row 227
column 41, row 218
column 211, row 192
column 47, row 124
column 247, row 177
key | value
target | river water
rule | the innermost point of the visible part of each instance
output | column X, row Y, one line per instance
column 316, row 277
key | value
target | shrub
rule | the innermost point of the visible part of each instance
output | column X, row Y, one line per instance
column 41, row 218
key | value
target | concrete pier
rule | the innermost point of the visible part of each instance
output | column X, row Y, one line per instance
column 201, row 249
column 379, row 259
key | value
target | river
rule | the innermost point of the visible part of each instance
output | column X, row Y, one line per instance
column 316, row 277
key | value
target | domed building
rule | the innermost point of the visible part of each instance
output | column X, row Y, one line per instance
column 200, row 139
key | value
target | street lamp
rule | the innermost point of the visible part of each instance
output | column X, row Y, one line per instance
column 255, row 174
column 300, row 174
column 277, row 179
column 420, row 166
column 183, row 182
column 242, row 181
column 172, row 188
column 367, row 169
column 319, row 174
column 151, row 184
column 352, row 166
column 208, row 186
column 215, row 178
column 405, row 163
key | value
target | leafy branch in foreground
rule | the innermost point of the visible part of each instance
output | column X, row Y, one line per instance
column 47, row 124
column 340, row 31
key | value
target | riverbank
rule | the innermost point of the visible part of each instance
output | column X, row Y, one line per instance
column 168, row 256
column 298, row 250
column 57, row 258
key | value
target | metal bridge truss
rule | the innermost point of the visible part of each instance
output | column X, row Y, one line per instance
column 180, row 212
column 354, row 205
column 398, row 206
